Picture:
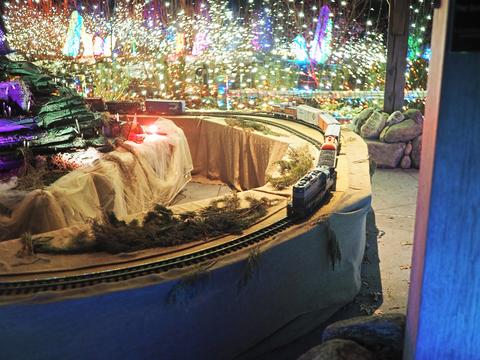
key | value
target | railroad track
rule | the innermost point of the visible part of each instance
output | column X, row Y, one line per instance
column 23, row 287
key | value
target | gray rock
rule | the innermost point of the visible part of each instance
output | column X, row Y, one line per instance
column 374, row 125
column 385, row 155
column 416, row 151
column 415, row 115
column 406, row 162
column 402, row 132
column 395, row 118
column 408, row 149
column 383, row 335
column 360, row 119
column 338, row 349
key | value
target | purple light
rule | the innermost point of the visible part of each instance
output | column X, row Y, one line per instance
column 16, row 92
column 320, row 33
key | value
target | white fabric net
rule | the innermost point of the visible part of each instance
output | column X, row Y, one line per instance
column 129, row 180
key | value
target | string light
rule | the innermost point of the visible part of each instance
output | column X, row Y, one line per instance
column 209, row 55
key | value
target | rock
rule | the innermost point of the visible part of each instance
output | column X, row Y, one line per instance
column 402, row 132
column 338, row 349
column 383, row 335
column 408, row 149
column 406, row 162
column 395, row 118
column 374, row 125
column 360, row 119
column 416, row 151
column 385, row 155
column 415, row 115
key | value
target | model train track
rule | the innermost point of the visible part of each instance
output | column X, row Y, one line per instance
column 260, row 117
column 109, row 276
column 24, row 287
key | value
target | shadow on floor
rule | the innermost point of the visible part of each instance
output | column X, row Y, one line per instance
column 366, row 302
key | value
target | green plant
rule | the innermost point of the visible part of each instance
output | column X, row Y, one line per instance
column 162, row 228
column 299, row 162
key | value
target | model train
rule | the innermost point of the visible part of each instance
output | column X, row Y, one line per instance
column 314, row 187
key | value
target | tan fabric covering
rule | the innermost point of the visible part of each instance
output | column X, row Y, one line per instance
column 234, row 156
column 126, row 181
column 10, row 264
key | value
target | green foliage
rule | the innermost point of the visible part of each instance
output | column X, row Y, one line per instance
column 162, row 228
column 251, row 126
column 299, row 162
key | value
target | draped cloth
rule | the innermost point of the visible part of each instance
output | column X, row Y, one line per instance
column 129, row 180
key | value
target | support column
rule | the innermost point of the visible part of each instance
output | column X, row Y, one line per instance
column 397, row 46
column 444, row 297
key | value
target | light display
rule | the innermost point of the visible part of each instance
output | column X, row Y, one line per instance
column 320, row 49
column 205, row 52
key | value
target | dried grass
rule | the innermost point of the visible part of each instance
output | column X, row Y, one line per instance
column 162, row 228
column 299, row 162
column 251, row 126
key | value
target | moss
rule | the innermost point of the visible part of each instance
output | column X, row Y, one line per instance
column 299, row 162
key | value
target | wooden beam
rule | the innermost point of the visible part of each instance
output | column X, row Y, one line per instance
column 444, row 297
column 397, row 46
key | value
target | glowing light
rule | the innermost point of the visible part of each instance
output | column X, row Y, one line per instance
column 299, row 49
column 72, row 43
column 320, row 49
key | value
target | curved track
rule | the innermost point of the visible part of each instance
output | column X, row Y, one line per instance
column 178, row 261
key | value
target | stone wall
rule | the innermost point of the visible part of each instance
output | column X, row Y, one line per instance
column 393, row 140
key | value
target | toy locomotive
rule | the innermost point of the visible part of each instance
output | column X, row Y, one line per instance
column 314, row 188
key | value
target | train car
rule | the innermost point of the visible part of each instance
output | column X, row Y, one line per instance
column 310, row 192
column 332, row 138
column 327, row 158
column 286, row 110
column 309, row 114
column 327, row 121
column 167, row 107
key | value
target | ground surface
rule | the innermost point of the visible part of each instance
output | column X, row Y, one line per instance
column 386, row 266
column 196, row 191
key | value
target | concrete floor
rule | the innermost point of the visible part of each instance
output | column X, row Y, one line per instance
column 196, row 191
column 394, row 204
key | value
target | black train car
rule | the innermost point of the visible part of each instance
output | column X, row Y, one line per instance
column 310, row 192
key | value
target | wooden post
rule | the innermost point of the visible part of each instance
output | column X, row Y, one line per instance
column 444, row 297
column 397, row 46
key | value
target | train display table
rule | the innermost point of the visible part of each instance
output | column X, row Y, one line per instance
column 239, row 296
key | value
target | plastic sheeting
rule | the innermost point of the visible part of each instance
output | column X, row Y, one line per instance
column 126, row 181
